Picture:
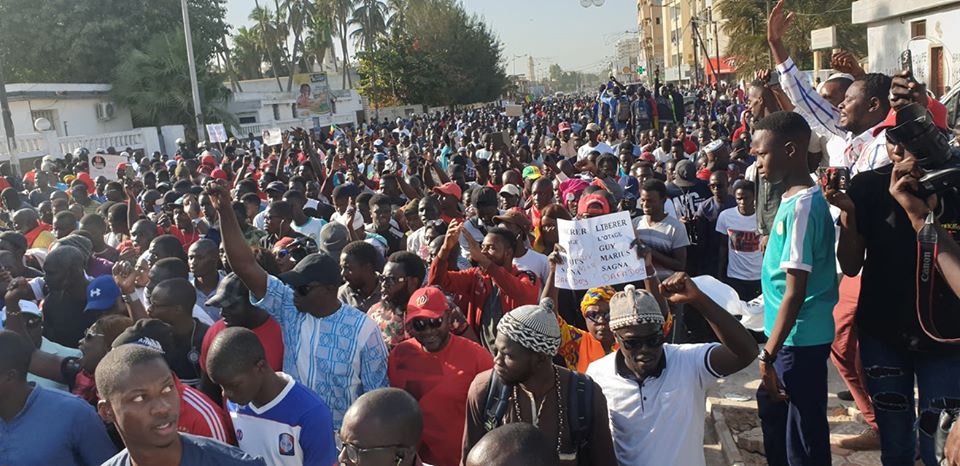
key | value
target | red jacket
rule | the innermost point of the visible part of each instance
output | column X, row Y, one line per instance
column 474, row 285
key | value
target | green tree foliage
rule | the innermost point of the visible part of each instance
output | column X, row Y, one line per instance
column 84, row 40
column 746, row 25
column 441, row 56
column 154, row 82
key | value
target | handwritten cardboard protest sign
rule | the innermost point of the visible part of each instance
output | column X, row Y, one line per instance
column 598, row 252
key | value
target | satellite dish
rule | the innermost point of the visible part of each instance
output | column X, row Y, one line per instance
column 42, row 124
column 598, row 2
column 586, row 3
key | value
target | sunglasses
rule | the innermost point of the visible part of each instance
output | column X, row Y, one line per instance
column 651, row 341
column 421, row 325
column 597, row 316
column 304, row 290
column 89, row 335
column 390, row 281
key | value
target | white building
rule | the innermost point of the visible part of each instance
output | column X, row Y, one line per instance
column 264, row 104
column 72, row 109
column 926, row 27
column 79, row 115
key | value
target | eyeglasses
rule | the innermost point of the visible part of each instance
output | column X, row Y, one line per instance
column 421, row 325
column 304, row 290
column 354, row 452
column 651, row 341
column 597, row 316
column 390, row 281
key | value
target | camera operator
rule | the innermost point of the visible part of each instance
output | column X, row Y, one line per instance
column 878, row 236
column 903, row 183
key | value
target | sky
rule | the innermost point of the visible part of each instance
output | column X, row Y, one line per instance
column 552, row 31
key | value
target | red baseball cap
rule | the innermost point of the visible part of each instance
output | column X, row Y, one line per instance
column 593, row 204
column 208, row 159
column 937, row 110
column 563, row 126
column 219, row 174
column 451, row 188
column 428, row 302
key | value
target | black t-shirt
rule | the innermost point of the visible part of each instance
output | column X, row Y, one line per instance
column 888, row 291
column 64, row 320
column 184, row 358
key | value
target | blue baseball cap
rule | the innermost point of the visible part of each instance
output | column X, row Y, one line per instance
column 102, row 293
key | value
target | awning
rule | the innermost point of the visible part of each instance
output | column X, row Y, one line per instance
column 726, row 65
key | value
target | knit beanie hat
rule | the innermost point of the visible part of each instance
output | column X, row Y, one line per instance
column 533, row 326
column 634, row 307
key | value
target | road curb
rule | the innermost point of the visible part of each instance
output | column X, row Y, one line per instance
column 728, row 446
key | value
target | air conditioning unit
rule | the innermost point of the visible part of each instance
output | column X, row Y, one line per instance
column 106, row 111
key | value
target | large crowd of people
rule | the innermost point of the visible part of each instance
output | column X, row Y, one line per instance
column 385, row 293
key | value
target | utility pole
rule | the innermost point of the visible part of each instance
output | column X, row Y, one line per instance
column 8, row 123
column 696, row 50
column 197, row 114
column 716, row 41
column 679, row 41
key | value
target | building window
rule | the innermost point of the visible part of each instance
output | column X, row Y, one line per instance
column 658, row 21
column 918, row 29
column 245, row 120
column 276, row 112
column 48, row 114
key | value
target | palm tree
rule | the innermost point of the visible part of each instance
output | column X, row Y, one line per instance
column 247, row 54
column 298, row 18
column 319, row 39
column 398, row 14
column 342, row 9
column 267, row 37
column 369, row 23
column 154, row 83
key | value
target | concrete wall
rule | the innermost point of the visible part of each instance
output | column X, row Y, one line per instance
column 72, row 117
column 887, row 36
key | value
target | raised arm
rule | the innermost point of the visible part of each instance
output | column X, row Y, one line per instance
column 737, row 347
column 241, row 257
column 125, row 274
column 902, row 186
column 820, row 114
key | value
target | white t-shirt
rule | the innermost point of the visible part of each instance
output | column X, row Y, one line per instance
column 415, row 243
column 534, row 262
column 664, row 410
column 743, row 241
column 342, row 219
column 311, row 229
column 585, row 150
column 666, row 236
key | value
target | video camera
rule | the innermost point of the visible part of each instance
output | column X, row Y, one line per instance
column 918, row 134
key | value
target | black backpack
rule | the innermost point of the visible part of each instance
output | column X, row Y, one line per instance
column 579, row 408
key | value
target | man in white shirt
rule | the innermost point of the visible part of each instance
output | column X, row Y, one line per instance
column 302, row 223
column 593, row 143
column 656, row 391
column 853, row 122
column 740, row 256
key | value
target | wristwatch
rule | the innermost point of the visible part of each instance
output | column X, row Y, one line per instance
column 766, row 356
